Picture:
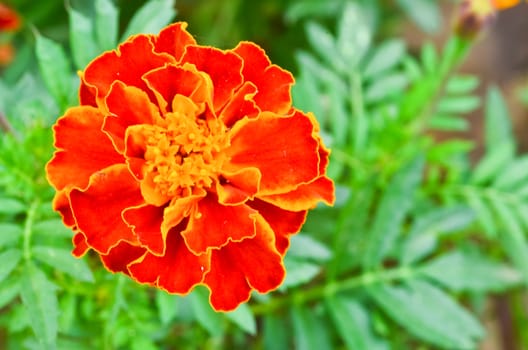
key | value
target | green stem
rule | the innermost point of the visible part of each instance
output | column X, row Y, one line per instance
column 28, row 228
column 333, row 288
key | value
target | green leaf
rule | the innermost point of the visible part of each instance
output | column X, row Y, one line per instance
column 347, row 312
column 243, row 318
column 309, row 331
column 353, row 35
column 82, row 38
column 429, row 314
column 429, row 58
column 52, row 227
column 9, row 291
column 425, row 13
column 448, row 123
column 55, row 69
column 206, row 316
column 10, row 234
column 464, row 271
column 106, row 24
column 384, row 58
column 64, row 261
column 512, row 176
column 512, row 238
column 11, row 206
column 498, row 126
column 167, row 306
column 40, row 300
column 483, row 212
column 305, row 247
column 493, row 162
column 424, row 233
column 275, row 333
column 386, row 86
column 151, row 18
column 9, row 259
column 310, row 9
column 299, row 272
column 394, row 205
column 458, row 104
column 461, row 84
column 324, row 44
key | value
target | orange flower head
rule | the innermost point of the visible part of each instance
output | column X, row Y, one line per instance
column 185, row 164
column 505, row 4
column 9, row 19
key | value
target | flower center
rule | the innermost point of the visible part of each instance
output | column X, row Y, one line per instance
column 184, row 152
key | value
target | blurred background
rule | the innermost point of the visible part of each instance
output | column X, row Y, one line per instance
column 500, row 57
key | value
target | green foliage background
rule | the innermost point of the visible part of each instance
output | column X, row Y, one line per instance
column 422, row 236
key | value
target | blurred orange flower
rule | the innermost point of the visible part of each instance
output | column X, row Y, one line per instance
column 504, row 4
column 186, row 164
column 9, row 19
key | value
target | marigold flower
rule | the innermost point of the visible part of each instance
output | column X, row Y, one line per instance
column 9, row 19
column 504, row 4
column 186, row 165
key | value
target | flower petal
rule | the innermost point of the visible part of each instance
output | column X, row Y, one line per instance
column 128, row 106
column 80, row 246
column 223, row 67
column 306, row 196
column 212, row 225
column 282, row 148
column 240, row 105
column 82, row 148
column 61, row 203
column 283, row 222
column 173, row 40
column 168, row 81
column 87, row 93
column 178, row 271
column 128, row 63
column 178, row 209
column 273, row 83
column 121, row 255
column 145, row 221
column 238, row 267
column 236, row 188
column 97, row 210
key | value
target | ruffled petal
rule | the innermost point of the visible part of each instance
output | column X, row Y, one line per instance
column 236, row 188
column 82, row 148
column 283, row 222
column 87, row 94
column 306, row 196
column 173, row 40
column 241, row 105
column 283, row 149
column 145, row 221
column 80, row 246
column 61, row 203
column 273, row 83
column 120, row 256
column 97, row 210
column 178, row 209
column 223, row 67
column 212, row 225
column 241, row 266
column 128, row 63
column 178, row 271
column 128, row 106
column 168, row 81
